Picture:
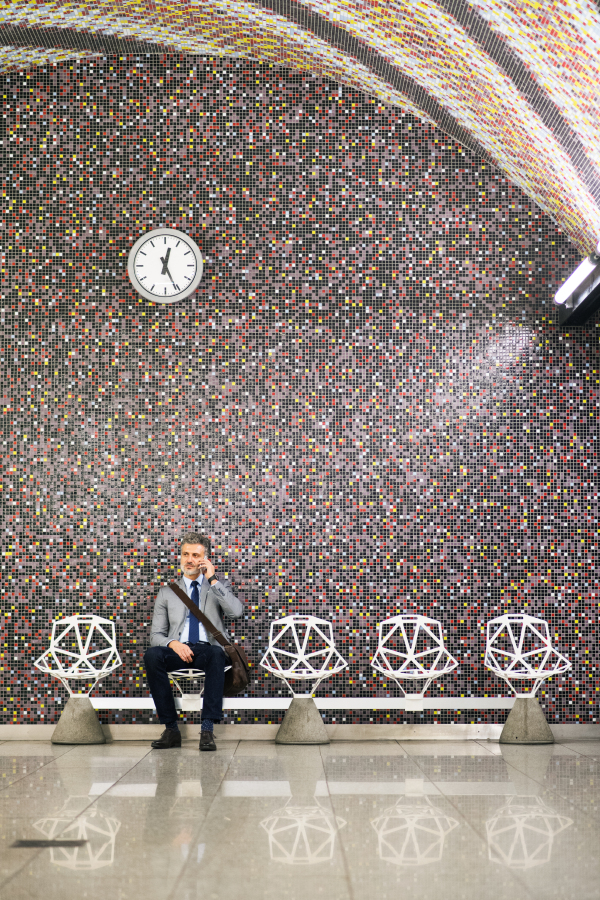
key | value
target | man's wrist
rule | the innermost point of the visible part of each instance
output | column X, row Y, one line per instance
column 212, row 579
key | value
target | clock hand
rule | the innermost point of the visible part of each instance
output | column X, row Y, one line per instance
column 165, row 271
column 165, row 261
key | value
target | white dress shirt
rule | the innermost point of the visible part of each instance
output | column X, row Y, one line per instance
column 202, row 634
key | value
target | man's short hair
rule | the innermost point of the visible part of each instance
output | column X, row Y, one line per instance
column 193, row 538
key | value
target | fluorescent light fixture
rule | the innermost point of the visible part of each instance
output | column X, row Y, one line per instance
column 583, row 270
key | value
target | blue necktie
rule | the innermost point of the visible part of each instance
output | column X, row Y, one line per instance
column 194, row 633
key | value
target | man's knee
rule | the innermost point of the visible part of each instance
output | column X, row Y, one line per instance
column 218, row 654
column 152, row 656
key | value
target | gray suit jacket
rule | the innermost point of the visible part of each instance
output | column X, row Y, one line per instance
column 170, row 612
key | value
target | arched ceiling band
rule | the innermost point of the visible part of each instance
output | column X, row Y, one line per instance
column 497, row 49
column 78, row 41
column 340, row 38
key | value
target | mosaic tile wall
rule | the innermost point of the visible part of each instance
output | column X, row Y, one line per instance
column 367, row 403
column 514, row 85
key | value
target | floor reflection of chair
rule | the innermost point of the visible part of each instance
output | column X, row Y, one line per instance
column 302, row 835
column 98, row 830
column 413, row 832
column 521, row 834
column 185, row 803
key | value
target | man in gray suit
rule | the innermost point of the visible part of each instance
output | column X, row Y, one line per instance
column 178, row 641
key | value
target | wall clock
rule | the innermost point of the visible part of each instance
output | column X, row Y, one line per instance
column 165, row 265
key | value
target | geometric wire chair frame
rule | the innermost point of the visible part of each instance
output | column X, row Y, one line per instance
column 81, row 648
column 302, row 648
column 519, row 646
column 193, row 674
column 186, row 673
column 411, row 647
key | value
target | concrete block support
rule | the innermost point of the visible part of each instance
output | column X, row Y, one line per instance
column 526, row 724
column 78, row 724
column 302, row 724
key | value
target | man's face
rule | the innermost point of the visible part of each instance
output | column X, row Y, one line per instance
column 192, row 559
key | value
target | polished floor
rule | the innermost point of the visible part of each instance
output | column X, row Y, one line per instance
column 363, row 821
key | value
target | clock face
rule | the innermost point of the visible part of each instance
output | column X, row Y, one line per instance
column 165, row 265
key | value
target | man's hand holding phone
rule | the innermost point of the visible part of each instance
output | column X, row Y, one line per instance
column 207, row 568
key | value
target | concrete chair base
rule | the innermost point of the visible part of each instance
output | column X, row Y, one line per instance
column 78, row 724
column 302, row 724
column 526, row 724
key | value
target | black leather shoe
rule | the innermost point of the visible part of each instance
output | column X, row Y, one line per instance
column 168, row 739
column 207, row 740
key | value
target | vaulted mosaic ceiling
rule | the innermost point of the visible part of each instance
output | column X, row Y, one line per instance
column 516, row 82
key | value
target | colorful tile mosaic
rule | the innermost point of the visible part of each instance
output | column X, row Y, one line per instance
column 426, row 41
column 511, row 84
column 367, row 403
column 561, row 48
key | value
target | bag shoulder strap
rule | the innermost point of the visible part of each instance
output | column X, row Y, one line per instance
column 218, row 636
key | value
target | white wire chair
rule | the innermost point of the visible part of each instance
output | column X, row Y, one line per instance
column 82, row 648
column 519, row 647
column 190, row 675
column 302, row 648
column 187, row 675
column 411, row 648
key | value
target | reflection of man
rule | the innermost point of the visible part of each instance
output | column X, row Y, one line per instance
column 178, row 640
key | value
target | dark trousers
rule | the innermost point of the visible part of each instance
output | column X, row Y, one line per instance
column 211, row 658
